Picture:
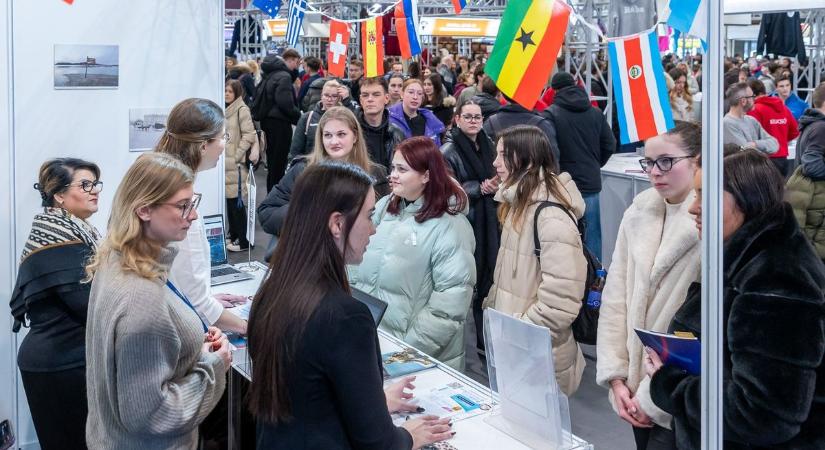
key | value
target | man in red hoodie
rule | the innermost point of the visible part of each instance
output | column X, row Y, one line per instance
column 777, row 120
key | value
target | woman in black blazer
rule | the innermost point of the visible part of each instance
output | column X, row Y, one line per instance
column 317, row 377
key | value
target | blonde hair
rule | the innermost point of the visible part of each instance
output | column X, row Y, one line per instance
column 190, row 124
column 151, row 180
column 358, row 156
column 332, row 83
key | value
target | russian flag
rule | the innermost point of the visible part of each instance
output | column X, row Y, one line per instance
column 642, row 103
column 690, row 17
column 459, row 5
column 406, row 26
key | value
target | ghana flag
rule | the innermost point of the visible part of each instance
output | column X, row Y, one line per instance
column 528, row 41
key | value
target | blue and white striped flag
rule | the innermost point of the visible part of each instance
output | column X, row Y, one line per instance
column 296, row 18
column 690, row 17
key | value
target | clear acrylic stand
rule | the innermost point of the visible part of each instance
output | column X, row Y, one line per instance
column 251, row 190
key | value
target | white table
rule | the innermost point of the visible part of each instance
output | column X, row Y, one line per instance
column 622, row 180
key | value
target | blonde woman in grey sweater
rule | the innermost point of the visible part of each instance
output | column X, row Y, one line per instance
column 154, row 370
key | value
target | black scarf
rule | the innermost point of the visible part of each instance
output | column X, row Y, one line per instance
column 479, row 162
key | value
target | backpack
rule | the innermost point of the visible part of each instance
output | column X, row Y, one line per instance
column 260, row 106
column 586, row 324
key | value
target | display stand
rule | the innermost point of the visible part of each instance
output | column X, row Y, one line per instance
column 532, row 409
column 251, row 189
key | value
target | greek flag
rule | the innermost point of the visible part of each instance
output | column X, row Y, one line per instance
column 296, row 18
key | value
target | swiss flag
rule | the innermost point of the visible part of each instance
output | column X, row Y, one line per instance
column 337, row 50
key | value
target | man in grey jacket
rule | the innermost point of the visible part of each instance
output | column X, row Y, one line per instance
column 742, row 129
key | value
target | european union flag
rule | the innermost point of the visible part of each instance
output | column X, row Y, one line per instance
column 270, row 7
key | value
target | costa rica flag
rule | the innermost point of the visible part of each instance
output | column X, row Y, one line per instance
column 642, row 103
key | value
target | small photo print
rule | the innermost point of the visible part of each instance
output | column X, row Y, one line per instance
column 146, row 125
column 86, row 66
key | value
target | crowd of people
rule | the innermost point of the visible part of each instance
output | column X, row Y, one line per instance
column 424, row 188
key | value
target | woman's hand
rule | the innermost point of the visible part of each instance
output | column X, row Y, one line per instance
column 397, row 396
column 427, row 430
column 628, row 407
column 652, row 362
column 231, row 300
column 221, row 348
column 254, row 154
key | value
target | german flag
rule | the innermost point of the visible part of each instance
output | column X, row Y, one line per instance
column 529, row 38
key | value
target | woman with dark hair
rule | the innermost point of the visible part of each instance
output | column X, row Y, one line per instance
column 317, row 376
column 50, row 293
column 547, row 290
column 774, row 311
column 420, row 260
column 681, row 99
column 239, row 154
column 438, row 100
column 411, row 117
column 470, row 154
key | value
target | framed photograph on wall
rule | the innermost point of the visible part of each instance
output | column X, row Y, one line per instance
column 83, row 66
column 146, row 125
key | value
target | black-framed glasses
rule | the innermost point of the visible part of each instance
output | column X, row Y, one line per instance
column 187, row 207
column 746, row 97
column 472, row 117
column 87, row 186
column 665, row 163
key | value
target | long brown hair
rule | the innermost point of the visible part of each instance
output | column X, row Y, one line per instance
column 306, row 265
column 190, row 124
column 530, row 161
column 359, row 154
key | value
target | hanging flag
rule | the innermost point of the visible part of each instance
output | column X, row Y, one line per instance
column 337, row 51
column 372, row 47
column 296, row 18
column 642, row 103
column 690, row 17
column 270, row 7
column 406, row 26
column 459, row 5
column 529, row 39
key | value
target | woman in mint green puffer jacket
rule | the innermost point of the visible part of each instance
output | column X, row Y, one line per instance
column 420, row 260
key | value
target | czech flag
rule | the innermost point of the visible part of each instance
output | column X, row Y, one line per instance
column 337, row 51
column 639, row 87
column 459, row 5
column 406, row 25
column 372, row 47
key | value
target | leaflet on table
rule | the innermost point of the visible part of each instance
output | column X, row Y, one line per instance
column 405, row 362
column 455, row 401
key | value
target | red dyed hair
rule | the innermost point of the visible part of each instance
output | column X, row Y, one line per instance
column 423, row 155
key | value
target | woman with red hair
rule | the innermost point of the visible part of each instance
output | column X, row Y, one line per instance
column 420, row 259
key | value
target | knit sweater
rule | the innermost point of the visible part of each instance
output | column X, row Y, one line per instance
column 149, row 383
column 747, row 129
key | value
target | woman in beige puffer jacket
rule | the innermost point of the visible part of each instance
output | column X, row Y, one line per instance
column 546, row 290
column 242, row 135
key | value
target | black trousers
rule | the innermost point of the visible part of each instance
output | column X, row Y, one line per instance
column 236, row 222
column 57, row 401
column 656, row 438
column 278, row 139
column 783, row 164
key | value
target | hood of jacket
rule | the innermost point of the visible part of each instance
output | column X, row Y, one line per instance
column 573, row 98
column 810, row 116
column 776, row 104
column 274, row 63
column 232, row 108
column 433, row 125
column 574, row 197
column 411, row 209
column 385, row 120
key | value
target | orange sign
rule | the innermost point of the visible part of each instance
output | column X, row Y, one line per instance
column 276, row 27
column 462, row 27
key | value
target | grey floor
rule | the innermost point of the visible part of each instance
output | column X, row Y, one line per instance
column 592, row 417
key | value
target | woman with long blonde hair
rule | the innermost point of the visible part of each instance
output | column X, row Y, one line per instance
column 154, row 368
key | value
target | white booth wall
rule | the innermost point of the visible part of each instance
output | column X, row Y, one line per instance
column 168, row 50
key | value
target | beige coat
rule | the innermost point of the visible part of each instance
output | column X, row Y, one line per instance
column 646, row 284
column 547, row 292
column 241, row 137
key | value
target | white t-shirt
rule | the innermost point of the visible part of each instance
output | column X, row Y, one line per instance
column 192, row 272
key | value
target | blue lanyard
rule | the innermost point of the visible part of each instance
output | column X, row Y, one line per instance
column 186, row 300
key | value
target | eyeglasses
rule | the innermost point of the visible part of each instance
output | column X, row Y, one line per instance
column 187, row 207
column 472, row 118
column 225, row 137
column 330, row 97
column 88, row 186
column 665, row 163
column 746, row 97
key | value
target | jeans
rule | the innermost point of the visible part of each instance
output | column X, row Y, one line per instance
column 593, row 231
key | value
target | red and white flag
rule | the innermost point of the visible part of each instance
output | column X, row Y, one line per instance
column 337, row 50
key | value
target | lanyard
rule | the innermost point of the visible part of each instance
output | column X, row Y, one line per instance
column 186, row 300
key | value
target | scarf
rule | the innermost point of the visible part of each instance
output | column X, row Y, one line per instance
column 57, row 226
column 479, row 162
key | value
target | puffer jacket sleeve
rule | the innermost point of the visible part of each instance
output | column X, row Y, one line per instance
column 612, row 359
column 454, row 276
column 799, row 193
column 299, row 137
column 563, row 274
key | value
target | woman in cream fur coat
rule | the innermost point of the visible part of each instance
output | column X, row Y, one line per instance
column 656, row 258
column 547, row 290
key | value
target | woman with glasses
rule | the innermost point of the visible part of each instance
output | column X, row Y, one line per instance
column 655, row 260
column 411, row 117
column 51, row 299
column 470, row 154
column 303, row 138
column 154, row 367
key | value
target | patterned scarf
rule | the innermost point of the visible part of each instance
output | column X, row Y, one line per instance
column 57, row 226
